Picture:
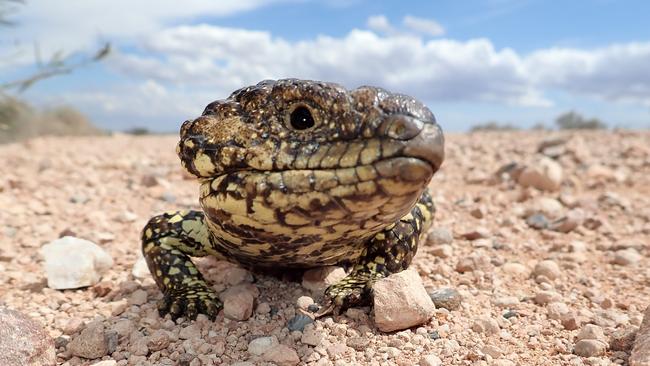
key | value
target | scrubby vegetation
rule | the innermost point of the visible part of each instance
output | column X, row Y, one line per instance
column 574, row 121
column 566, row 121
column 19, row 121
column 493, row 126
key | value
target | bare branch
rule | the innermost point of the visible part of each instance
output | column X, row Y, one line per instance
column 57, row 65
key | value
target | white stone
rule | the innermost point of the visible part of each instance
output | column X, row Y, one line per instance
column 544, row 174
column 72, row 263
column 260, row 345
column 318, row 279
column 626, row 257
column 400, row 301
column 548, row 206
column 430, row 360
column 140, row 269
column 105, row 363
column 303, row 302
column 548, row 269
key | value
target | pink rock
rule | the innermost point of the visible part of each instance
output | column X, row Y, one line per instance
column 640, row 355
column 590, row 348
column 569, row 222
column 400, row 301
column 73, row 326
column 486, row 325
column 318, row 279
column 545, row 174
column 478, row 233
column 238, row 302
column 23, row 341
column 547, row 268
column 282, row 355
column 91, row 343
column 237, row 275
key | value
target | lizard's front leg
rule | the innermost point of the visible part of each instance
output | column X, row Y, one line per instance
column 389, row 251
column 168, row 241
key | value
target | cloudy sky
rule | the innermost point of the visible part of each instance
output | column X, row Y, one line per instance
column 519, row 62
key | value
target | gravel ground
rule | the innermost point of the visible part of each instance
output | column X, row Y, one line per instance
column 559, row 276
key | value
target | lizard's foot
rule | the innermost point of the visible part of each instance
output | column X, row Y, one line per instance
column 189, row 302
column 353, row 290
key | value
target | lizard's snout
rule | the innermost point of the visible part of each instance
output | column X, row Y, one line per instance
column 423, row 139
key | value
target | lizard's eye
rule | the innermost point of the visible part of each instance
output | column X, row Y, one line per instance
column 301, row 118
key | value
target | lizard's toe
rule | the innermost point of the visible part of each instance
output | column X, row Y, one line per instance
column 190, row 303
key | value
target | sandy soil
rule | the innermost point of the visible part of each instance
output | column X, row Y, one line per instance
column 105, row 188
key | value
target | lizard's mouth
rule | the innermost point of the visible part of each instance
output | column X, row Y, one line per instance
column 378, row 189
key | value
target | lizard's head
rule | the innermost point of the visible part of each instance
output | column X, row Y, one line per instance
column 299, row 124
column 366, row 151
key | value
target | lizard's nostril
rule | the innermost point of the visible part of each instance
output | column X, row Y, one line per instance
column 400, row 127
column 198, row 140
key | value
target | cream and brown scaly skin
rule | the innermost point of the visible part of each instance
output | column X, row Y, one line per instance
column 298, row 173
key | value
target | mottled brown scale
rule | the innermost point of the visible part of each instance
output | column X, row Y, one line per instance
column 345, row 185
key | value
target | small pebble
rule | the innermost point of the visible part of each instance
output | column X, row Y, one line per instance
column 304, row 302
column 298, row 322
column 447, row 298
column 440, row 236
column 626, row 257
column 537, row 221
column 430, row 360
column 548, row 269
column 262, row 344
column 281, row 355
column 91, row 343
column 589, row 348
column 486, row 326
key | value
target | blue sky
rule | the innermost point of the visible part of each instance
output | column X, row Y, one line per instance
column 517, row 62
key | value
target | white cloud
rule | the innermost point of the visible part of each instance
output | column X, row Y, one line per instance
column 174, row 70
column 424, row 26
column 618, row 72
column 216, row 60
column 411, row 26
column 380, row 24
column 69, row 26
column 224, row 58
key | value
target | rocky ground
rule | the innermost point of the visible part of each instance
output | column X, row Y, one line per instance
column 540, row 255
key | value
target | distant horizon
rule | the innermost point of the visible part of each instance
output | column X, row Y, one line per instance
column 511, row 62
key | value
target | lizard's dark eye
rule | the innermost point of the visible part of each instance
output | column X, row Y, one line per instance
column 301, row 118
